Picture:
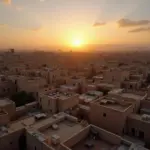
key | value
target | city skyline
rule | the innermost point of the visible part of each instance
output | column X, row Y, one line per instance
column 48, row 23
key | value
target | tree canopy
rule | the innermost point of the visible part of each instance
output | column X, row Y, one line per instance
column 21, row 98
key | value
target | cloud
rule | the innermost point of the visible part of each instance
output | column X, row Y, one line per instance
column 132, row 23
column 146, row 29
column 97, row 24
column 6, row 1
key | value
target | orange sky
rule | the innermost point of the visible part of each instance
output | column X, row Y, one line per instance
column 25, row 24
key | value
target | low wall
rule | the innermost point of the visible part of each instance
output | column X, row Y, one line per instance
column 108, row 136
column 104, row 135
column 44, row 127
column 63, row 147
column 22, row 110
column 77, row 138
column 31, row 105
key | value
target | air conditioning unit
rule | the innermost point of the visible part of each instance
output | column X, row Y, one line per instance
column 55, row 127
column 146, row 117
column 55, row 139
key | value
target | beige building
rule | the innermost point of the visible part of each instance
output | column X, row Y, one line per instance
column 57, row 100
column 134, row 82
column 7, row 87
column 28, row 84
column 110, row 114
column 91, row 87
column 89, row 97
column 59, row 132
column 75, row 80
column 68, row 88
column 115, row 76
column 138, row 126
column 105, row 87
column 54, row 76
column 133, row 97
column 33, row 134
column 9, row 107
column 93, row 137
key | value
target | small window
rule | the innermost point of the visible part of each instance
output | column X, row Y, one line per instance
column 49, row 103
column 15, row 81
column 104, row 114
column 133, row 131
column 141, row 134
column 131, row 86
column 10, row 143
column 35, row 148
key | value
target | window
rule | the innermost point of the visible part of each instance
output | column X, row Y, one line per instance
column 93, row 80
column 104, row 114
column 141, row 134
column 133, row 131
column 15, row 81
column 49, row 103
column 35, row 148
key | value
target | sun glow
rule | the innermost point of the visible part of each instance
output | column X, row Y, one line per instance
column 77, row 42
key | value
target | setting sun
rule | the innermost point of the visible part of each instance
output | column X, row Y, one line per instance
column 77, row 42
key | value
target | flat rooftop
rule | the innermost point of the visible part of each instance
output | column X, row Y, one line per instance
column 112, row 104
column 144, row 118
column 65, row 130
column 132, row 96
column 95, row 93
column 91, row 85
column 4, row 102
column 68, row 87
column 90, row 96
column 60, row 95
column 100, row 77
column 115, row 91
column 98, row 145
column 106, row 85
column 31, row 122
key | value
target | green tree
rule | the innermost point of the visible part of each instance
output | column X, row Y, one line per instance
column 22, row 98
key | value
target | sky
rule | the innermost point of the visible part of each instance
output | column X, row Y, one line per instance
column 35, row 24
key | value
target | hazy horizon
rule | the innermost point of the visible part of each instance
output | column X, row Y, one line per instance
column 86, row 24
